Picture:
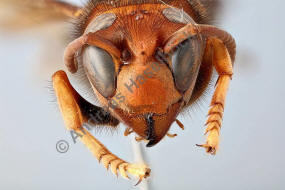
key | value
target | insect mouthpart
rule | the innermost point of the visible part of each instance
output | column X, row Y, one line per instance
column 150, row 133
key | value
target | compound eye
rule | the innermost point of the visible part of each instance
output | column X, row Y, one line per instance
column 186, row 61
column 100, row 70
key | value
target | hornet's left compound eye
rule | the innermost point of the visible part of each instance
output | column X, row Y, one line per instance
column 100, row 70
column 186, row 61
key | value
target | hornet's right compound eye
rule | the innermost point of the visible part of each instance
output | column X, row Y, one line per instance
column 100, row 69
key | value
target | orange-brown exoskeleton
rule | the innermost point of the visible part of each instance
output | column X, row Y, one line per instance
column 146, row 61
